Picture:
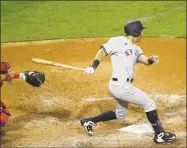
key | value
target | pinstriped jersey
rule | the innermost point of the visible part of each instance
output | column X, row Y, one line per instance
column 124, row 56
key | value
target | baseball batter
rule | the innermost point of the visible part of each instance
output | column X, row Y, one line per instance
column 124, row 55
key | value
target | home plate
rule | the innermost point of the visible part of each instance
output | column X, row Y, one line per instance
column 140, row 128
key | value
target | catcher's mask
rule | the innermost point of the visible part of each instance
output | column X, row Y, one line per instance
column 133, row 28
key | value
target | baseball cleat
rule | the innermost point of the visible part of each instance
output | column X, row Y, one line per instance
column 164, row 137
column 87, row 124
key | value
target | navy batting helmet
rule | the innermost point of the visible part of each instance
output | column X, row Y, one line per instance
column 133, row 28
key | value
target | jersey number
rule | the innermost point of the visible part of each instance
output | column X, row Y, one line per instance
column 128, row 52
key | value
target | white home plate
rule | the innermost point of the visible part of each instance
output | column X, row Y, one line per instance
column 140, row 128
column 168, row 96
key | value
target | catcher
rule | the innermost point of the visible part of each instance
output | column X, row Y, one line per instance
column 34, row 78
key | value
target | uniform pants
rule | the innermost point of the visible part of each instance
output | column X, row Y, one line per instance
column 125, row 93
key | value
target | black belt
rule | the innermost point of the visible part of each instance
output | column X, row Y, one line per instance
column 128, row 79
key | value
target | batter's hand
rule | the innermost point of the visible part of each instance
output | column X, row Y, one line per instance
column 154, row 59
column 90, row 70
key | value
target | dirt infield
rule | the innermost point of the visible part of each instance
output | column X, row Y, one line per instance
column 49, row 116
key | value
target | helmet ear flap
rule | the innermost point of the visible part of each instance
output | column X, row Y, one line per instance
column 136, row 34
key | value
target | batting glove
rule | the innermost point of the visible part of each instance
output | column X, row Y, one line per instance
column 89, row 70
column 154, row 59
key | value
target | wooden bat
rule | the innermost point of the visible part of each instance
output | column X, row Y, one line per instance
column 41, row 61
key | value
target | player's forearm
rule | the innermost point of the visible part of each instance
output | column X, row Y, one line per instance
column 145, row 60
column 98, row 58
column 100, row 55
column 13, row 75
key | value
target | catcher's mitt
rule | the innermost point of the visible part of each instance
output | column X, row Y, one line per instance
column 34, row 78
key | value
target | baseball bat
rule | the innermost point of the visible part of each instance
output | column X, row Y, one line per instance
column 41, row 61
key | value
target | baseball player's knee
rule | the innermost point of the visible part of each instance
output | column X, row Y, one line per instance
column 4, row 117
column 121, row 113
column 150, row 106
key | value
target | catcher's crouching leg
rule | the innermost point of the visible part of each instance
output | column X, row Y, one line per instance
column 4, row 115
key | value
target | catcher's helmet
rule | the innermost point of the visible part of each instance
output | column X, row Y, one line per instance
column 4, row 67
column 133, row 28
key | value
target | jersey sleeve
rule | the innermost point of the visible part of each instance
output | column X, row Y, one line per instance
column 139, row 53
column 110, row 47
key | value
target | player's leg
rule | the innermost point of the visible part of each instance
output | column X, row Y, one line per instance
column 139, row 98
column 120, row 112
column 4, row 114
column 89, row 122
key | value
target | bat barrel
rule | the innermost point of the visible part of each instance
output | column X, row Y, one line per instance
column 41, row 61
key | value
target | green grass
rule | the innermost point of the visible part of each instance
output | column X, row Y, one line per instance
column 38, row 20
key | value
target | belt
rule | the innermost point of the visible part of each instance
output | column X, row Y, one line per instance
column 128, row 79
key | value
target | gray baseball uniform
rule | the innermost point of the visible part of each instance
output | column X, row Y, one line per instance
column 124, row 56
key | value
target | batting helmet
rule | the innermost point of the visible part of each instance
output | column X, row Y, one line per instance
column 133, row 28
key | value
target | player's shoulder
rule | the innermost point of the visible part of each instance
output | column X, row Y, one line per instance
column 118, row 39
column 137, row 47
